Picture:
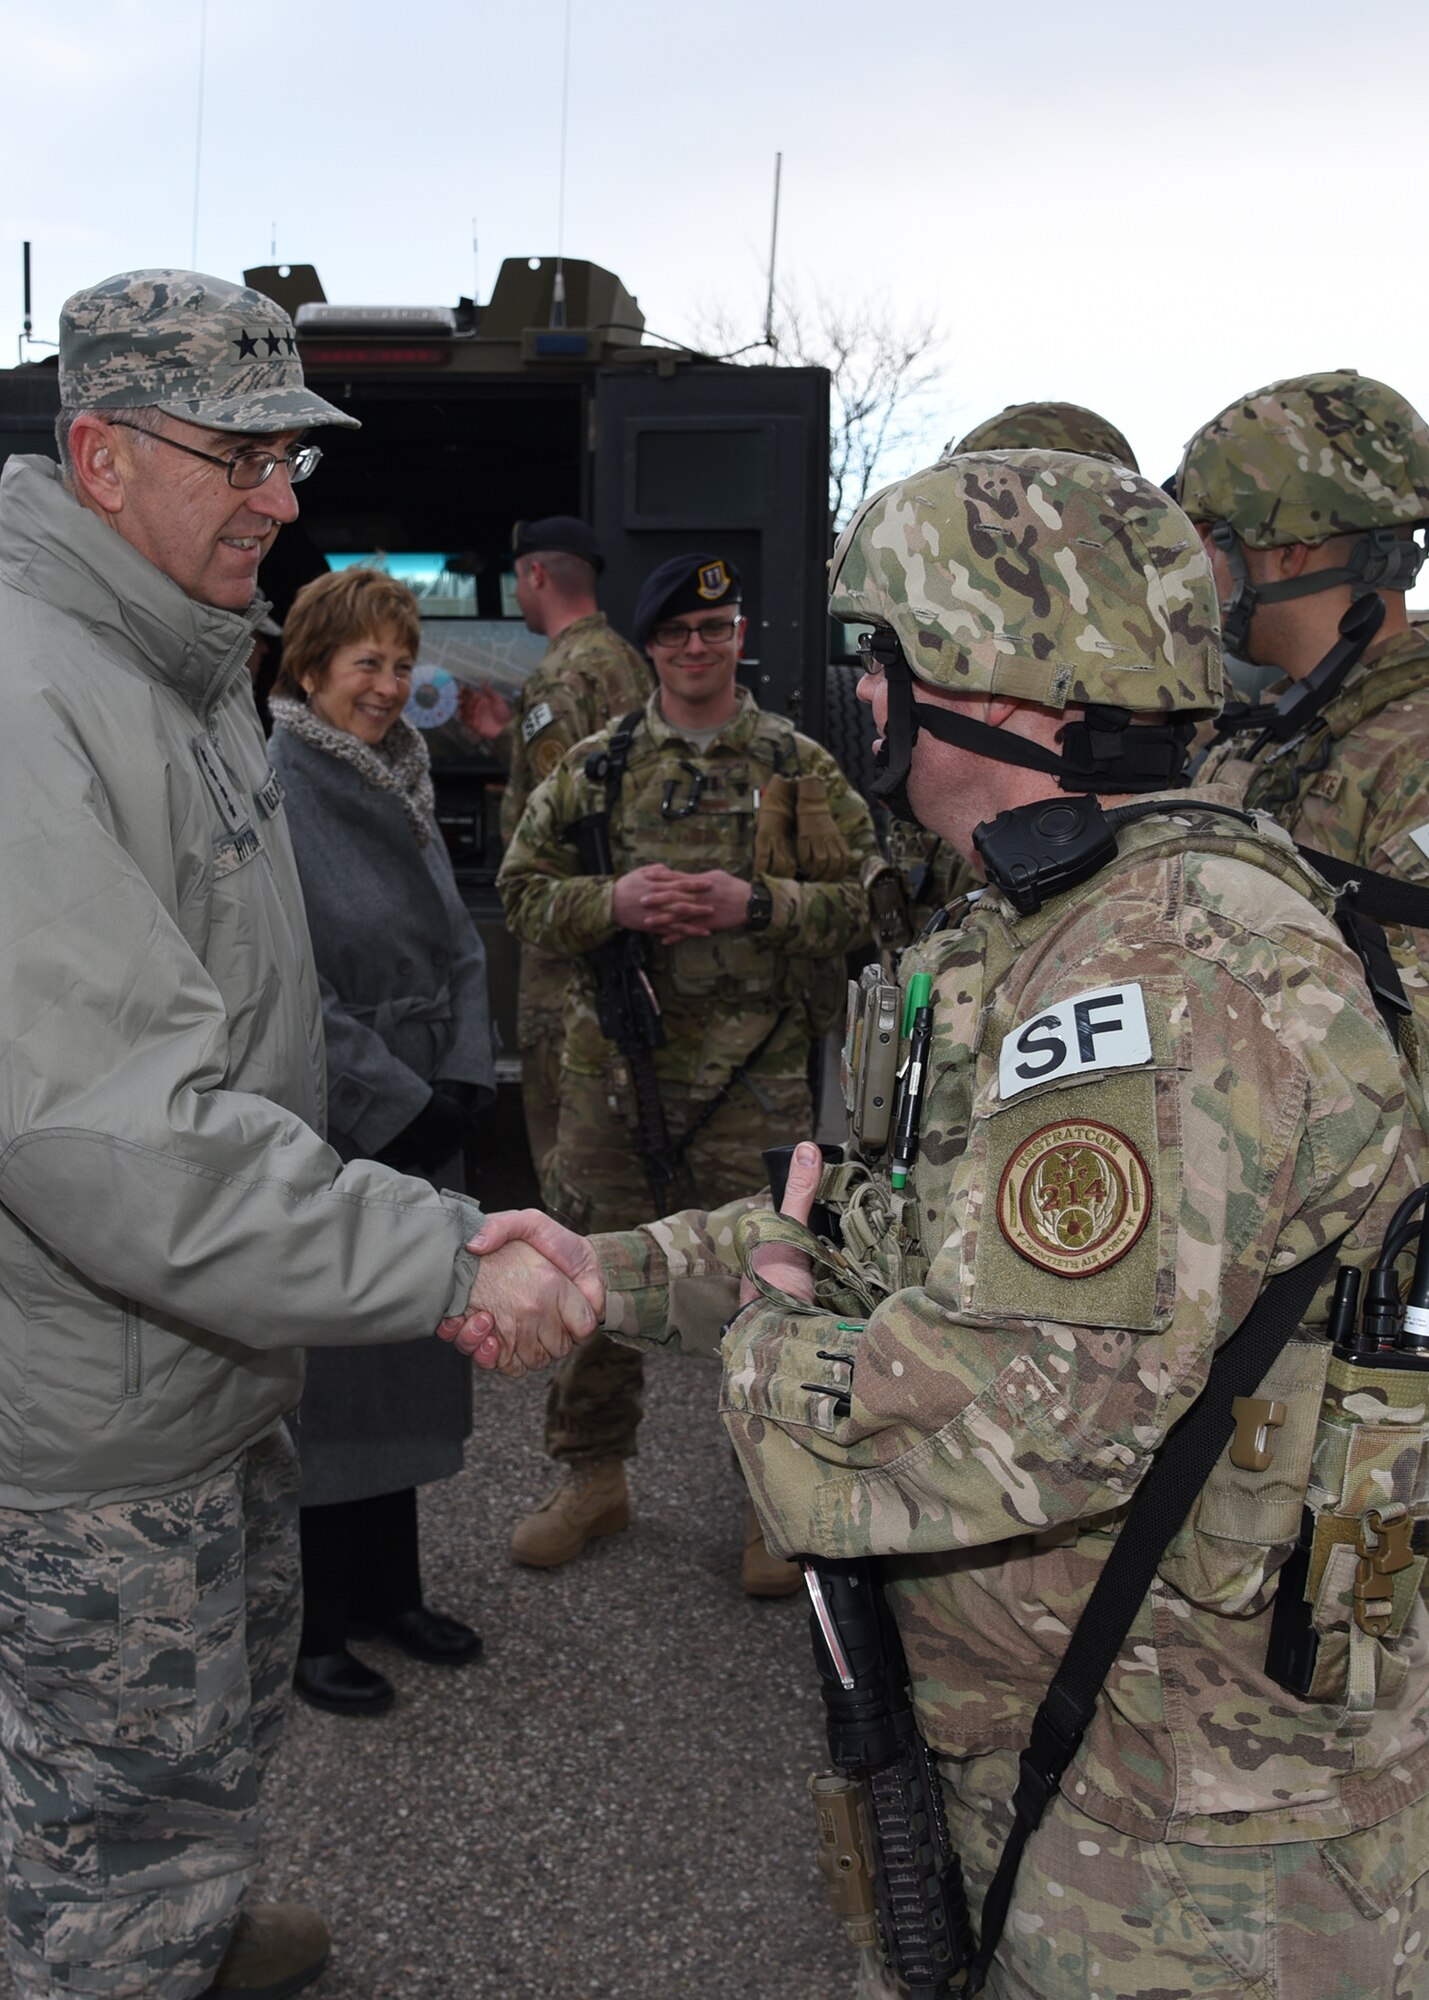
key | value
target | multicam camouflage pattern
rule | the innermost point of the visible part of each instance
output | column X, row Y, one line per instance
column 1355, row 784
column 198, row 348
column 1040, row 576
column 1100, row 1916
column 589, row 677
column 933, row 873
column 1002, row 1415
column 1047, row 427
column 594, row 1399
column 146, row 1655
column 719, row 996
column 1307, row 458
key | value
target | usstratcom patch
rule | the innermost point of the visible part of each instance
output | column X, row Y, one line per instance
column 1074, row 1197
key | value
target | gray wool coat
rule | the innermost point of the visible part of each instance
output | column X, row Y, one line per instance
column 403, row 977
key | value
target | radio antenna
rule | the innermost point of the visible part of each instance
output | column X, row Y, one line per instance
column 198, row 125
column 558, row 283
column 770, row 338
column 27, row 338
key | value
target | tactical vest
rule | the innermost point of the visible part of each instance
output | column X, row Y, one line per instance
column 696, row 811
column 1349, row 1445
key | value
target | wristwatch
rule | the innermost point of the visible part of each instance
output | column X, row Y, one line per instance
column 760, row 907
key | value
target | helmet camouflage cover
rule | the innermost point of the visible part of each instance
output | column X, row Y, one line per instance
column 1307, row 458
column 1041, row 576
column 1046, row 427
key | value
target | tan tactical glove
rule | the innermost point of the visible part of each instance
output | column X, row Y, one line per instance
column 822, row 850
column 774, row 830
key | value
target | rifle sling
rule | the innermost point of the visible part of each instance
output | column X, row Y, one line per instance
column 1384, row 897
column 1157, row 1512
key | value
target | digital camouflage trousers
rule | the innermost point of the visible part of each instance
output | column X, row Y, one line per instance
column 146, row 1654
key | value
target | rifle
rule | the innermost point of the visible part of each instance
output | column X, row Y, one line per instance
column 893, row 1874
column 629, row 1014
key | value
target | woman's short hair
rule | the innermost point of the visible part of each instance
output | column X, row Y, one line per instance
column 337, row 610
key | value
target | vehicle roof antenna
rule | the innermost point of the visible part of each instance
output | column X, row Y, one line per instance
column 198, row 126
column 27, row 338
column 771, row 339
column 558, row 283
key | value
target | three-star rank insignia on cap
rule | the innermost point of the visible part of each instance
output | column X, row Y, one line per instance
column 275, row 343
column 714, row 581
column 1074, row 1198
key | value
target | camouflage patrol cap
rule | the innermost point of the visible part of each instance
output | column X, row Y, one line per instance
column 1307, row 458
column 195, row 347
column 1047, row 427
column 1038, row 575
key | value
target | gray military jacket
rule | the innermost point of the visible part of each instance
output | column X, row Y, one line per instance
column 172, row 1228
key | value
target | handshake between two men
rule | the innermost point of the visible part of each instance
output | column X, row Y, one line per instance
column 539, row 1288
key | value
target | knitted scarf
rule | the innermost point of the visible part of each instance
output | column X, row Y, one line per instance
column 401, row 764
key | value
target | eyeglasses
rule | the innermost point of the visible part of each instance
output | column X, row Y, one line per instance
column 243, row 469
column 716, row 633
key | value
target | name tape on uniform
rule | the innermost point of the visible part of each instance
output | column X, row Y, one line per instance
column 1101, row 1030
column 540, row 718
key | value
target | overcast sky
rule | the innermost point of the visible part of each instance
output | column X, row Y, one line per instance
column 1144, row 208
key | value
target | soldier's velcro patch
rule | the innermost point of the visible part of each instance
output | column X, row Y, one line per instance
column 1102, row 1030
column 1420, row 836
column 539, row 718
column 1079, row 1221
column 1074, row 1197
column 546, row 756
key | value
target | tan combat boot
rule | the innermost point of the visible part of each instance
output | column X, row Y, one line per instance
column 277, row 1950
column 763, row 1574
column 591, row 1500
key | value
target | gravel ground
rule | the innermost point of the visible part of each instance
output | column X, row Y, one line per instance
column 611, row 1802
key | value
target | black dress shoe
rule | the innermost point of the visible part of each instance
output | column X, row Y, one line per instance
column 343, row 1684
column 423, row 1635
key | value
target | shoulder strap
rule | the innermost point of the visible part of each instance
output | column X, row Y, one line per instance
column 608, row 766
column 1386, row 898
column 1157, row 1512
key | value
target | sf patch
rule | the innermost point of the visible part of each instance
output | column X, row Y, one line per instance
column 538, row 719
column 1074, row 1197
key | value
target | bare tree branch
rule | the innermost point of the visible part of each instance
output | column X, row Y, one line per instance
column 881, row 366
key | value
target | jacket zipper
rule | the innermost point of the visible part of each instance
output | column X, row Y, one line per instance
column 133, row 1353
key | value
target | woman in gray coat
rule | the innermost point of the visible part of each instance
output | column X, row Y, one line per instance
column 409, row 1061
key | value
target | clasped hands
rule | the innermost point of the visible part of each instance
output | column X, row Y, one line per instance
column 668, row 905
column 539, row 1288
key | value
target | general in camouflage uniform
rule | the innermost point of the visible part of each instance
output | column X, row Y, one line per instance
column 1308, row 494
column 932, row 872
column 713, row 788
column 589, row 676
column 1145, row 1094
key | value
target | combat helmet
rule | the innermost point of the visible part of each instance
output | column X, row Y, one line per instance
column 1302, row 460
column 1046, row 427
column 1046, row 577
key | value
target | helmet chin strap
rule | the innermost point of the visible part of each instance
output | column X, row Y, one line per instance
column 1104, row 753
column 1379, row 560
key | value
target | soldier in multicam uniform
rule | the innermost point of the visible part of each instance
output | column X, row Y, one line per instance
column 932, row 872
column 1145, row 1095
column 737, row 845
column 1308, row 494
column 589, row 676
